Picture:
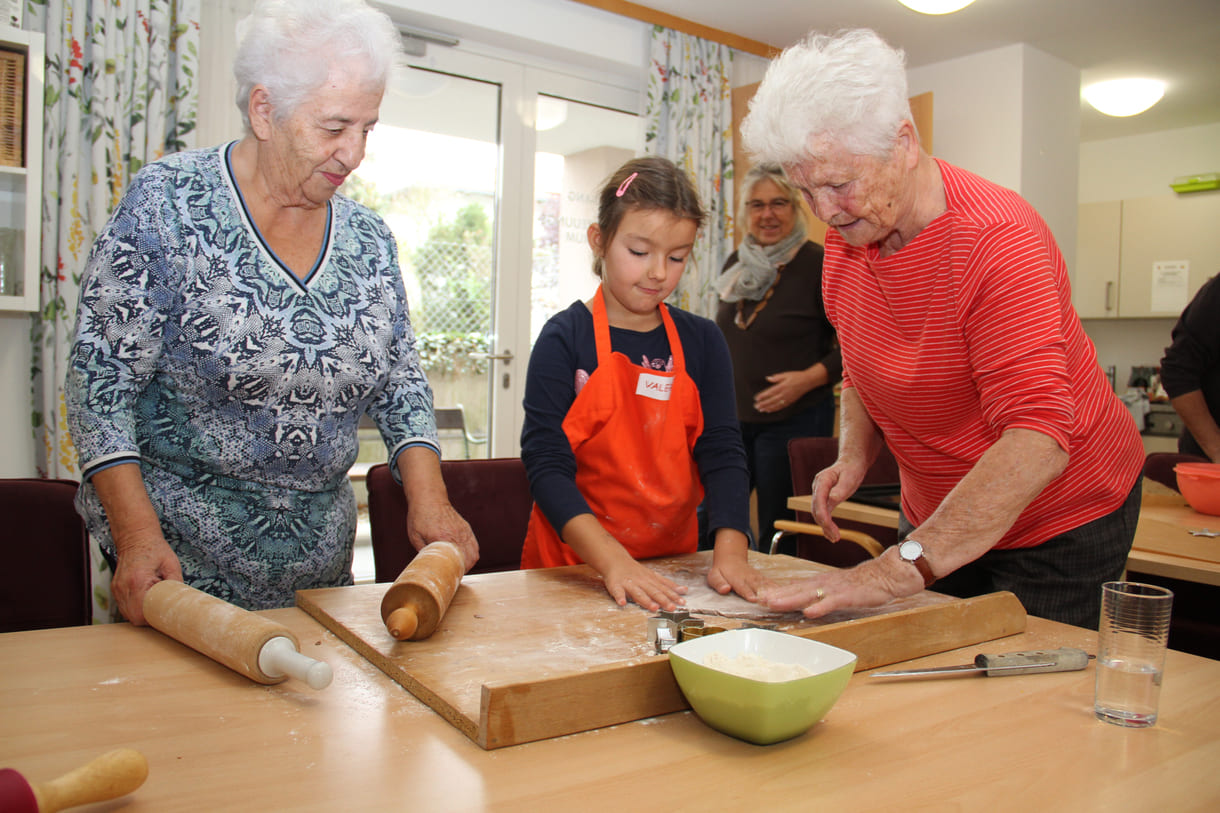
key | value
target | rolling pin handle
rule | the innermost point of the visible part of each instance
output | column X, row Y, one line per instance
column 402, row 623
column 109, row 776
column 279, row 657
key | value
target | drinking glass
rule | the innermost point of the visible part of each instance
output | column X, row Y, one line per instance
column 1131, row 652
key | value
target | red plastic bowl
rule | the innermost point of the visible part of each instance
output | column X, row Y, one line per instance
column 1200, row 485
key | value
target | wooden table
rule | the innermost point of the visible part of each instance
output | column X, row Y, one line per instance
column 1163, row 543
column 216, row 741
column 859, row 512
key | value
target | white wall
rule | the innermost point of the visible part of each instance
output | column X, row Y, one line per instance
column 976, row 112
column 1011, row 115
column 1143, row 166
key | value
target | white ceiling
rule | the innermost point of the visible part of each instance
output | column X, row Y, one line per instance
column 1174, row 40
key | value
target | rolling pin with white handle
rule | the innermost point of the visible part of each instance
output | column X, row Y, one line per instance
column 419, row 597
column 110, row 776
column 247, row 643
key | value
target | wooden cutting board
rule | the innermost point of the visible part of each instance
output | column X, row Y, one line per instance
column 532, row 654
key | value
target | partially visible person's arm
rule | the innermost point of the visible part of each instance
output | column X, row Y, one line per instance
column 859, row 444
column 970, row 520
column 144, row 557
column 1199, row 422
column 430, row 516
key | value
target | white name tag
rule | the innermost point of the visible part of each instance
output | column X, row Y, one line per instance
column 654, row 386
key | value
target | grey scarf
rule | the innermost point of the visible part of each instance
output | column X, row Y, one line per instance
column 754, row 271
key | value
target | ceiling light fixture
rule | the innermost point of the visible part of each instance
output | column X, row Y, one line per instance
column 1124, row 97
column 936, row 6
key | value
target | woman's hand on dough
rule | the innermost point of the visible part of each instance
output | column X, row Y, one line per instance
column 868, row 584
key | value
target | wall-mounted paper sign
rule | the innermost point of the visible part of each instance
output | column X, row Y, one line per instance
column 1170, row 286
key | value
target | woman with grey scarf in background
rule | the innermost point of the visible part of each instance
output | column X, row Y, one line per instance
column 785, row 354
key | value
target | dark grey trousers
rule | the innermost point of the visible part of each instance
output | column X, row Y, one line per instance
column 1061, row 578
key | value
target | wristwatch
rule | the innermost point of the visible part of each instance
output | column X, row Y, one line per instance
column 911, row 551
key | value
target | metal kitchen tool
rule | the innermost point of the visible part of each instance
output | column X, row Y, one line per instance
column 1011, row 663
column 1204, row 532
column 671, row 627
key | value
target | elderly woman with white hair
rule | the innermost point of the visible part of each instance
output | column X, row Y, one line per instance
column 236, row 319
column 961, row 351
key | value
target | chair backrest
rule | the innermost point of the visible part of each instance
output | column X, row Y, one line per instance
column 808, row 456
column 45, row 578
column 450, row 418
column 1158, row 466
column 492, row 495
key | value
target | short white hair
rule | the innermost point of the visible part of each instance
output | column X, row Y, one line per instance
column 849, row 88
column 290, row 47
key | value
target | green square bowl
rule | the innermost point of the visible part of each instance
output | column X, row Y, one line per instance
column 759, row 711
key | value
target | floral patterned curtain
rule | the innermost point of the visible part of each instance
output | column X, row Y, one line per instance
column 689, row 119
column 120, row 92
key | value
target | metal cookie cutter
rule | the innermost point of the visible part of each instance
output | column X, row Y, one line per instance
column 664, row 629
column 669, row 628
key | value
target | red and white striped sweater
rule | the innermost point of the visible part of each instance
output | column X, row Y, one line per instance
column 967, row 331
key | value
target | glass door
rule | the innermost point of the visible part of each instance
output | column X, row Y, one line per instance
column 431, row 170
column 578, row 146
column 484, row 169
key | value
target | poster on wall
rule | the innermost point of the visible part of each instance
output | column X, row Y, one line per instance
column 1170, row 286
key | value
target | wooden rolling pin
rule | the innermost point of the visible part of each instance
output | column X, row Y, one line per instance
column 247, row 643
column 110, row 776
column 419, row 597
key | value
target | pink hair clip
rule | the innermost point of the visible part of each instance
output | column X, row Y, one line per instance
column 622, row 189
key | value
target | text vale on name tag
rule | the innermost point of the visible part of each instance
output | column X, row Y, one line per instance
column 653, row 386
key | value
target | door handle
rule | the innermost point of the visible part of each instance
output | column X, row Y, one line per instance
column 505, row 357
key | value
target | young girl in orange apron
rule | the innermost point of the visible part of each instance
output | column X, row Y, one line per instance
column 632, row 428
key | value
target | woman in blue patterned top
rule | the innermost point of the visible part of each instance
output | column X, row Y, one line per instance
column 236, row 318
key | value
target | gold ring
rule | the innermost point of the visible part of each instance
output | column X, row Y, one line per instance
column 819, row 594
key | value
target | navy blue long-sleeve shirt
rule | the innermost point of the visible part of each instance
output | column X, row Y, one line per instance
column 567, row 344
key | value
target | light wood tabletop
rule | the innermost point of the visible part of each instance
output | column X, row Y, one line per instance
column 217, row 741
column 1163, row 546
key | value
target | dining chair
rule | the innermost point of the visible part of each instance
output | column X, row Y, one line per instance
column 454, row 419
column 45, row 579
column 808, row 456
column 1158, row 466
column 492, row 495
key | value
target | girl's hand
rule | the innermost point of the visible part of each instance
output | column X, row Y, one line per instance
column 628, row 580
column 738, row 577
column 731, row 567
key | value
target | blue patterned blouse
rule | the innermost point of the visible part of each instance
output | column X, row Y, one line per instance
column 237, row 386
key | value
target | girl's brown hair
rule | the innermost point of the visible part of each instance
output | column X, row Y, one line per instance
column 645, row 183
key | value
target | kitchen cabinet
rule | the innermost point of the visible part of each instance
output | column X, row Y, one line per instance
column 1098, row 238
column 1120, row 242
column 1166, row 229
column 21, row 186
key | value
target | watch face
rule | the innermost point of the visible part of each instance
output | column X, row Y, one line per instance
column 910, row 550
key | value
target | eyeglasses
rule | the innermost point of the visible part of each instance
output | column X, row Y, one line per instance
column 779, row 205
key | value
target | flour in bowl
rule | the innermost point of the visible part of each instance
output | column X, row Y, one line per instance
column 755, row 667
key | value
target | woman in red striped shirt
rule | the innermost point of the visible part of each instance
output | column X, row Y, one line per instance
column 961, row 350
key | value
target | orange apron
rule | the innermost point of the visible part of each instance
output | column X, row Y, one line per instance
column 633, row 431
